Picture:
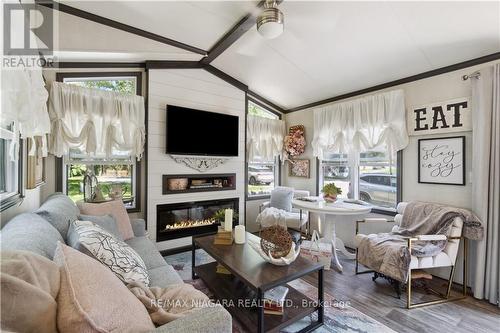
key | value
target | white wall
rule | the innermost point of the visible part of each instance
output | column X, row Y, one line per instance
column 309, row 184
column 200, row 90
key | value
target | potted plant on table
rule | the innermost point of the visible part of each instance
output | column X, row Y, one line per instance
column 330, row 192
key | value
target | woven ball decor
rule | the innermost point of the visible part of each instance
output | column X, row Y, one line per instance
column 277, row 240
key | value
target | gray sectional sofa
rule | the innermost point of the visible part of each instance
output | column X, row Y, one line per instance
column 39, row 232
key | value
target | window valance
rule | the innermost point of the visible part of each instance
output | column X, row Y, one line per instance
column 24, row 107
column 96, row 121
column 264, row 138
column 362, row 124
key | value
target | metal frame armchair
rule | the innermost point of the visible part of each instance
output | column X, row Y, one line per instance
column 446, row 258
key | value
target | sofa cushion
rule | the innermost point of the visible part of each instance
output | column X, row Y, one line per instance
column 92, row 299
column 121, row 259
column 30, row 284
column 281, row 198
column 115, row 208
column 30, row 232
column 147, row 250
column 107, row 222
column 59, row 210
column 163, row 276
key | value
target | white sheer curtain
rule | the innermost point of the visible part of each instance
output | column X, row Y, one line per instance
column 96, row 121
column 264, row 138
column 486, row 181
column 362, row 124
column 24, row 106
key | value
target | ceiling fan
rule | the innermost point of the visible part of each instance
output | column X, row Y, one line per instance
column 271, row 21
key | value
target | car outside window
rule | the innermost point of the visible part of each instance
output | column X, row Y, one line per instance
column 374, row 182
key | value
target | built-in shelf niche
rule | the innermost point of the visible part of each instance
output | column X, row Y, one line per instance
column 173, row 184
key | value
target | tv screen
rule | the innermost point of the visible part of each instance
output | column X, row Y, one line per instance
column 196, row 132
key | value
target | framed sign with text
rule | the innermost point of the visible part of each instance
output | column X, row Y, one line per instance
column 442, row 161
column 440, row 117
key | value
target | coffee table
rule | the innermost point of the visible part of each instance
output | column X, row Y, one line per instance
column 243, row 290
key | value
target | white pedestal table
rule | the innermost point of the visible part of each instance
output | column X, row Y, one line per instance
column 330, row 213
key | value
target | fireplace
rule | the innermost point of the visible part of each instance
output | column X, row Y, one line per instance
column 191, row 218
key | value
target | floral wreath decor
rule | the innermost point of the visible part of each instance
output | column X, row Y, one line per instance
column 295, row 141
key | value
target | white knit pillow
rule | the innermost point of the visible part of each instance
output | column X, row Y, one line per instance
column 124, row 261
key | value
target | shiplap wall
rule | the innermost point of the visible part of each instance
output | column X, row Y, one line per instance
column 197, row 89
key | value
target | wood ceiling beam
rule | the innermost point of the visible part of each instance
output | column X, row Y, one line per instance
column 238, row 30
column 86, row 64
column 229, row 79
column 118, row 25
column 172, row 64
column 266, row 101
column 424, row 75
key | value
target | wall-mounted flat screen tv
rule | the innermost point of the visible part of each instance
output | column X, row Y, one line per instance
column 197, row 132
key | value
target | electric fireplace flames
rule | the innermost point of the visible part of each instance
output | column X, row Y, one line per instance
column 186, row 219
column 189, row 224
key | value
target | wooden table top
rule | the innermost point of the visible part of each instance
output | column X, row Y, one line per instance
column 244, row 262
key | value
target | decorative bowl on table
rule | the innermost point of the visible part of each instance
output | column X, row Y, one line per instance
column 275, row 240
column 293, row 253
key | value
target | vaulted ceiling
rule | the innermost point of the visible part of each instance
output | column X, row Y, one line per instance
column 327, row 49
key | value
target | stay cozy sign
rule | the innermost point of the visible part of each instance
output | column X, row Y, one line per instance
column 440, row 117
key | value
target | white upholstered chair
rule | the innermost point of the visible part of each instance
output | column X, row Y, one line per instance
column 446, row 258
column 295, row 219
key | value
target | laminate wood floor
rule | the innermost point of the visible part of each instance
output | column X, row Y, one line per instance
column 378, row 300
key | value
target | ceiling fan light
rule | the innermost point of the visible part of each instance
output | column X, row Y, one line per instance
column 270, row 23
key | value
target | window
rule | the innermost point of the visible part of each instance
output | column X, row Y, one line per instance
column 262, row 175
column 10, row 168
column 117, row 171
column 371, row 177
column 335, row 169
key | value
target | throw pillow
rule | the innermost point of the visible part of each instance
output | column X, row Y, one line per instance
column 30, row 284
column 281, row 198
column 115, row 208
column 96, row 242
column 59, row 210
column 107, row 222
column 92, row 299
